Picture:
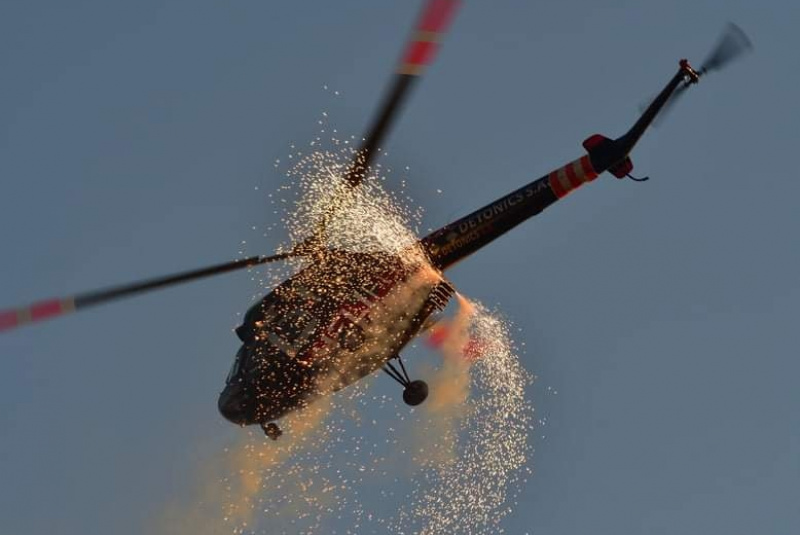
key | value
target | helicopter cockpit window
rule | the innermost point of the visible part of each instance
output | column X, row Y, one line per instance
column 237, row 365
column 290, row 318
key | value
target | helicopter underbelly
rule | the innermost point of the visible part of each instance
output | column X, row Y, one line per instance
column 356, row 346
column 325, row 333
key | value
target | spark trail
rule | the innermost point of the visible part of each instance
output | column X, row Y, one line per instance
column 452, row 465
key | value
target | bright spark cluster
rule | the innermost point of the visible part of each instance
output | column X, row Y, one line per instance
column 477, row 489
column 453, row 465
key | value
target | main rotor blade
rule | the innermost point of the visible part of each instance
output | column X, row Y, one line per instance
column 42, row 310
column 420, row 51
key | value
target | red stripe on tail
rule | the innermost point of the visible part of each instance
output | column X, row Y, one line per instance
column 588, row 170
column 555, row 185
column 571, row 175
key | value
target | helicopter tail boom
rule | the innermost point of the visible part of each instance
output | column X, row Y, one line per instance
column 571, row 176
column 462, row 237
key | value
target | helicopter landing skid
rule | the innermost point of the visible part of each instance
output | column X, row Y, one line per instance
column 272, row 430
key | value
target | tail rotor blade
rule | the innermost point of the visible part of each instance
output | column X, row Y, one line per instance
column 665, row 111
column 670, row 105
column 51, row 308
column 732, row 44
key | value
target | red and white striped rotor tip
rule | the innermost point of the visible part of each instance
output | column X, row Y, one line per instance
column 433, row 23
column 43, row 310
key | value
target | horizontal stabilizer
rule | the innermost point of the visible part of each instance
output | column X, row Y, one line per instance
column 597, row 144
column 594, row 141
column 622, row 169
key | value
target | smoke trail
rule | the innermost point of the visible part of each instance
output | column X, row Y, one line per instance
column 436, row 437
column 229, row 490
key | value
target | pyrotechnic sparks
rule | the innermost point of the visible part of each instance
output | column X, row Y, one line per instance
column 358, row 463
column 474, row 492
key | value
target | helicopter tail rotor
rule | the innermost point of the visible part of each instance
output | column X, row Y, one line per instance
column 732, row 44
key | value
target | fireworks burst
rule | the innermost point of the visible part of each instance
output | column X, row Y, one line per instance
column 356, row 462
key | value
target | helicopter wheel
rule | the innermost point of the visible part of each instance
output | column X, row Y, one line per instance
column 415, row 392
column 272, row 430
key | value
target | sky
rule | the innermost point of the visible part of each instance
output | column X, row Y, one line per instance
column 140, row 138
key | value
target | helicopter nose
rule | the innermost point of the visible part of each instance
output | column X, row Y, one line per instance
column 231, row 404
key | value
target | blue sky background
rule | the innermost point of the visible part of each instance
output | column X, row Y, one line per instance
column 665, row 314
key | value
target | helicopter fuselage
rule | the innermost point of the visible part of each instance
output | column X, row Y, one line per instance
column 339, row 319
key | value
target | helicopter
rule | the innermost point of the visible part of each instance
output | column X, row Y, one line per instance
column 346, row 315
